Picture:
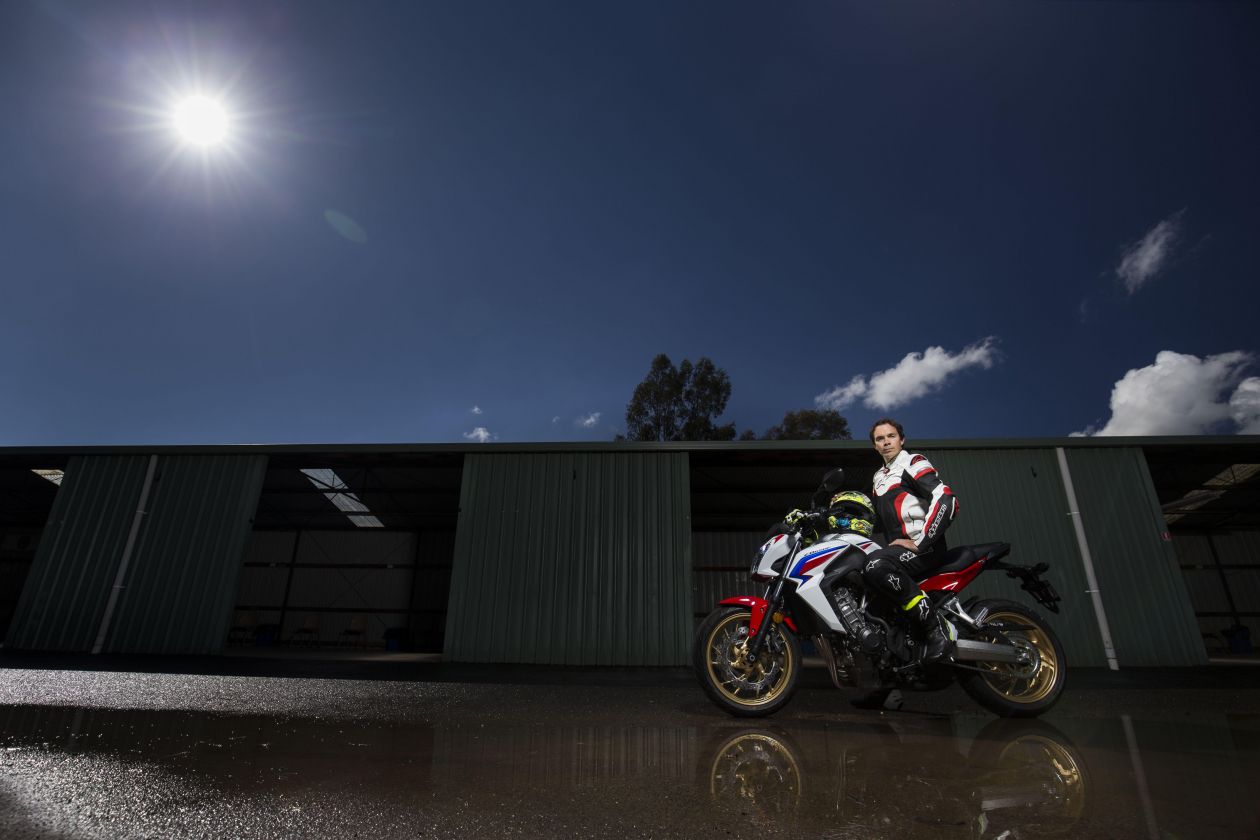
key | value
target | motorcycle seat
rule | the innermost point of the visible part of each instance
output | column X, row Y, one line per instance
column 957, row 559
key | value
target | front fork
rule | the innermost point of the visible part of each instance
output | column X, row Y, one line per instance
column 757, row 637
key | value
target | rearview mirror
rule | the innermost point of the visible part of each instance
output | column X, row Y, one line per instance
column 831, row 482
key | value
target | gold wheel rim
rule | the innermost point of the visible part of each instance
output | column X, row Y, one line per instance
column 748, row 683
column 1006, row 680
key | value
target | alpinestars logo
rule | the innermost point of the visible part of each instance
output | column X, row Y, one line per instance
column 894, row 582
column 936, row 523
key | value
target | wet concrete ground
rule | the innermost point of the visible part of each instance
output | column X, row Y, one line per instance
column 455, row 751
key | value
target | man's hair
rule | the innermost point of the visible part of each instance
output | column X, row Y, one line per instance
column 887, row 421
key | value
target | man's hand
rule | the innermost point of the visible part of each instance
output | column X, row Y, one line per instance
column 795, row 516
column 904, row 543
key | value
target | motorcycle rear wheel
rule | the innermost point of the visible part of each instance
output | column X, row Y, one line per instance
column 743, row 687
column 1012, row 690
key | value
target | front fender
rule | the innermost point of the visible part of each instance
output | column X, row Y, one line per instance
column 758, row 607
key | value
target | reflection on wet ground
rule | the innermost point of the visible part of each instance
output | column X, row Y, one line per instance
column 388, row 760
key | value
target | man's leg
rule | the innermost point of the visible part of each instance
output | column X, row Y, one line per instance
column 887, row 573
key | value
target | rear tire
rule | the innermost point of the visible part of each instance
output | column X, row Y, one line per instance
column 1011, row 690
column 741, row 687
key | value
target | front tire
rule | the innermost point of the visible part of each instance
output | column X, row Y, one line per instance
column 1012, row 690
column 744, row 687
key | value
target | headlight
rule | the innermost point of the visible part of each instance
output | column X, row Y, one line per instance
column 761, row 552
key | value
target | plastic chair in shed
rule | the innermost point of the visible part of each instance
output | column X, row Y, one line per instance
column 354, row 632
column 243, row 625
column 308, row 633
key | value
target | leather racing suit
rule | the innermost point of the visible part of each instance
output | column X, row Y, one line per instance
column 911, row 503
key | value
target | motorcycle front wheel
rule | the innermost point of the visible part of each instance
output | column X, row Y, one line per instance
column 745, row 686
column 1018, row 690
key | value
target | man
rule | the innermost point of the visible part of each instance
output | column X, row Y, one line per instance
column 914, row 507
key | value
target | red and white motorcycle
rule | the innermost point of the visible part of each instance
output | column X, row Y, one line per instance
column 747, row 652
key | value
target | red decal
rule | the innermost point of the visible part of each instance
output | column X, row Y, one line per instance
column 928, row 469
column 901, row 520
column 916, row 459
column 816, row 562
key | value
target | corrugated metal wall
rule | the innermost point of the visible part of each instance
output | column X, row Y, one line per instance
column 720, row 563
column 74, row 567
column 573, row 559
column 180, row 584
column 1148, row 606
column 1016, row 496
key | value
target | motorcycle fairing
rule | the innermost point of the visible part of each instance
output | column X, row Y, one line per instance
column 810, row 569
column 953, row 581
column 758, row 607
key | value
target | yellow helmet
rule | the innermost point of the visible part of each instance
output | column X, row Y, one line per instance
column 852, row 511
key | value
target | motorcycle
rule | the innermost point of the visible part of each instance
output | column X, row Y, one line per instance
column 747, row 652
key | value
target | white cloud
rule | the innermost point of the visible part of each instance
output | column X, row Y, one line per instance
column 476, row 409
column 843, row 395
column 480, row 434
column 1244, row 406
column 1143, row 259
column 590, row 421
column 1182, row 394
column 914, row 376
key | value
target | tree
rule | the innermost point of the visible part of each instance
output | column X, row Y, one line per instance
column 679, row 403
column 810, row 424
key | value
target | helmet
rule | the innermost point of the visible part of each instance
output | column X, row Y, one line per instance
column 852, row 511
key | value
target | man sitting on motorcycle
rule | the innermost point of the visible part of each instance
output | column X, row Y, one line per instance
column 914, row 507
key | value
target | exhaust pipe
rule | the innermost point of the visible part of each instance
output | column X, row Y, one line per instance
column 969, row 651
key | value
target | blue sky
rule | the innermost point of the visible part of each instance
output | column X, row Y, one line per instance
column 986, row 219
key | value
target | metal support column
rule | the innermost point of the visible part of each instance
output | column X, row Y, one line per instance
column 1074, row 511
column 1220, row 570
column 288, row 584
column 126, row 556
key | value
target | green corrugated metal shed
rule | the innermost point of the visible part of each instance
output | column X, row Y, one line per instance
column 1017, row 496
column 180, row 578
column 597, row 555
column 1143, row 590
column 182, row 581
column 77, row 558
column 573, row 559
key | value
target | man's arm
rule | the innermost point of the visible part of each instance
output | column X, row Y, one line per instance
column 938, row 500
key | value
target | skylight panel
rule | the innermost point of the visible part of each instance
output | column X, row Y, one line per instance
column 338, row 492
column 54, row 476
column 1211, row 490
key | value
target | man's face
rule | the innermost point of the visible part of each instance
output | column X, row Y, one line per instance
column 887, row 442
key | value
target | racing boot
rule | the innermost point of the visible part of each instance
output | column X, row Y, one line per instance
column 938, row 634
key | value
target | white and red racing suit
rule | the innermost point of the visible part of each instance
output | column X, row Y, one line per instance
column 912, row 503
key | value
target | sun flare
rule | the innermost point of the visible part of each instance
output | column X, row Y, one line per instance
column 201, row 121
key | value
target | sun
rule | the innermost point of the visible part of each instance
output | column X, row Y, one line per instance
column 201, row 121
